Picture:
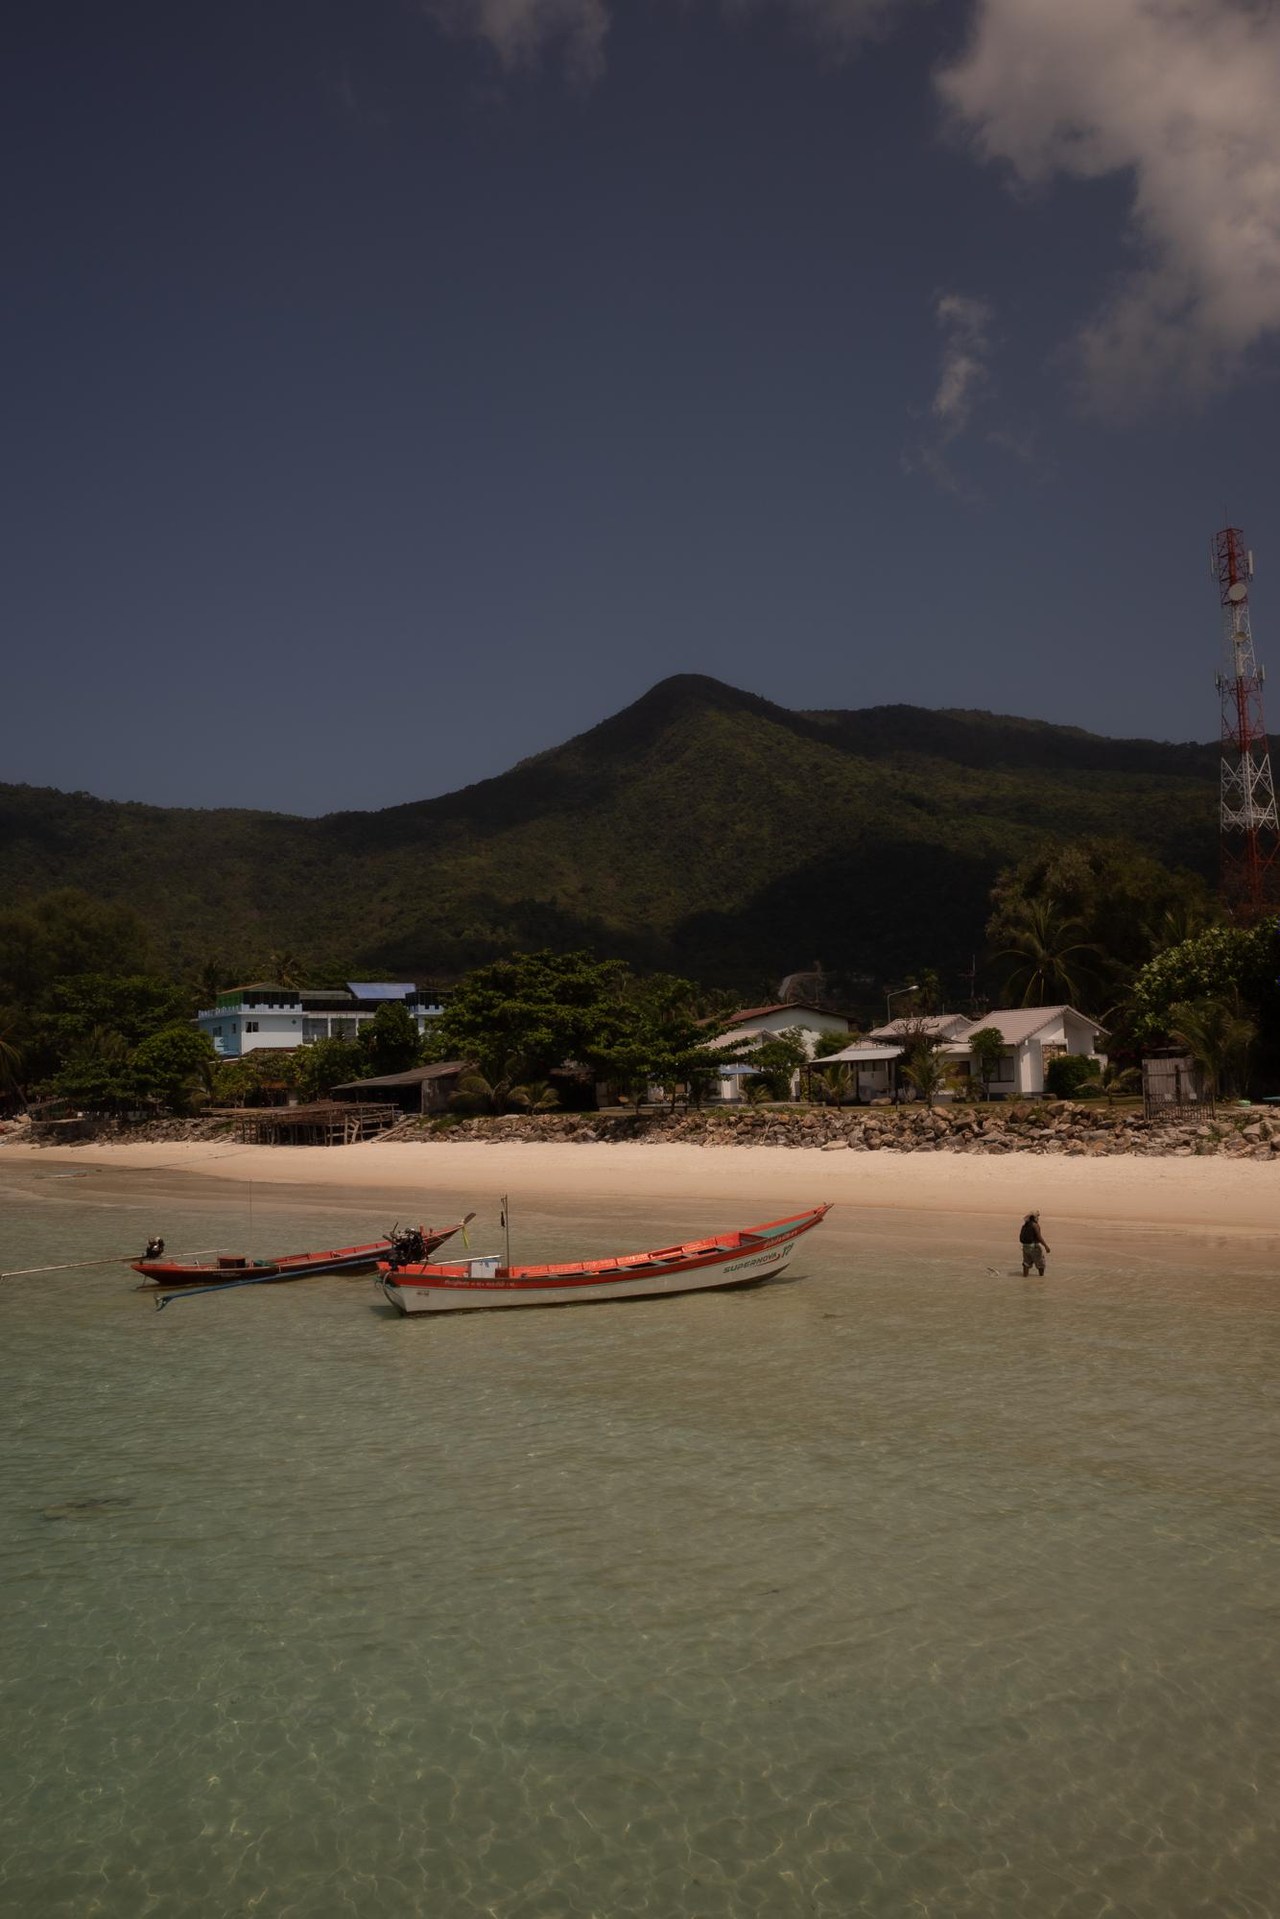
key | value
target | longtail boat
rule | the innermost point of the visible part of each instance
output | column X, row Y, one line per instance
column 738, row 1258
column 416, row 1243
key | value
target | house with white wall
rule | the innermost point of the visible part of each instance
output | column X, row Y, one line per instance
column 756, row 1023
column 262, row 1016
column 1032, row 1036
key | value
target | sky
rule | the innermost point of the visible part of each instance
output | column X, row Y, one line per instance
column 396, row 388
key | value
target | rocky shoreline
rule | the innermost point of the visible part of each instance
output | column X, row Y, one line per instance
column 1077, row 1128
column 1082, row 1129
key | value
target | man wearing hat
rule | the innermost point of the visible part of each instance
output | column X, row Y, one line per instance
column 1032, row 1247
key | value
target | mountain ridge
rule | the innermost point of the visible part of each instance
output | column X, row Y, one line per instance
column 701, row 828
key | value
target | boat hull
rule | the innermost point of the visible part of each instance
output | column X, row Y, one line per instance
column 422, row 1290
column 171, row 1274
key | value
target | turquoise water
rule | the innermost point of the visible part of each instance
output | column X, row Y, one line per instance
column 902, row 1586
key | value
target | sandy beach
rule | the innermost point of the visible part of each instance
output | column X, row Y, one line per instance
column 1190, row 1195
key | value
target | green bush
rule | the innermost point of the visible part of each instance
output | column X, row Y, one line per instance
column 1065, row 1075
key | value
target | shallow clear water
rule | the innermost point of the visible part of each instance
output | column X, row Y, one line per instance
column 902, row 1586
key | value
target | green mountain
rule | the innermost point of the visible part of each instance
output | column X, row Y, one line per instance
column 702, row 829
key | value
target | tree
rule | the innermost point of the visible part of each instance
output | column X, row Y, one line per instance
column 775, row 1061
column 390, row 1039
column 1218, row 1034
column 986, row 1049
column 835, row 1083
column 656, row 1036
column 827, row 1043
column 134, row 1005
column 175, row 1065
column 1216, row 963
column 1117, row 1079
column 329, row 1063
column 65, row 933
column 286, row 969
column 535, row 1097
column 539, row 1008
column 10, row 1065
column 1127, row 906
column 477, row 1094
column 923, row 1060
column 1046, row 961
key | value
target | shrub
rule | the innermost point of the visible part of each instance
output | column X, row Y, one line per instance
column 1065, row 1075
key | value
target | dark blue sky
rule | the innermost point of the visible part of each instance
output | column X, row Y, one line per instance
column 389, row 398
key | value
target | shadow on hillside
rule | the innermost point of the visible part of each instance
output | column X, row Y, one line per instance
column 887, row 909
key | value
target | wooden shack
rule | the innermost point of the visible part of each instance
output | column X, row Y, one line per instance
column 1173, row 1085
column 422, row 1089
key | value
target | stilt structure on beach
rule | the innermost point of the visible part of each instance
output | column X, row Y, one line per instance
column 328, row 1122
column 1249, row 828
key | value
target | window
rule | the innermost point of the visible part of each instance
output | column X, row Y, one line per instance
column 251, row 1026
column 217, row 1031
column 1004, row 1068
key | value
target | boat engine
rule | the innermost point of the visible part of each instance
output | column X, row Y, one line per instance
column 155, row 1248
column 408, row 1248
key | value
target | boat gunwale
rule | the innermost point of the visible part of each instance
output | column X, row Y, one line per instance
column 167, row 1272
column 610, row 1270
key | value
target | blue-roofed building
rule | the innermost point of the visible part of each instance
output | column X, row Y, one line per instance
column 248, row 1018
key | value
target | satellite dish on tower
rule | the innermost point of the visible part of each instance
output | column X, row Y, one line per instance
column 1237, row 592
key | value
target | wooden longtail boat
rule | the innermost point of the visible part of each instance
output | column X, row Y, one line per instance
column 727, row 1259
column 421, row 1242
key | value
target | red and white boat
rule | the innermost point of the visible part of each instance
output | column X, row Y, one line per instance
column 229, row 1267
column 727, row 1259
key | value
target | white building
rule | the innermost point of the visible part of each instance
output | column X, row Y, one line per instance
column 1032, row 1035
column 767, row 1022
column 248, row 1019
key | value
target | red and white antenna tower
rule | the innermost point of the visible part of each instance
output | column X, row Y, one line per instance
column 1249, row 826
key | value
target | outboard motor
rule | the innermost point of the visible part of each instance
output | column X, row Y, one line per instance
column 155, row 1249
column 408, row 1248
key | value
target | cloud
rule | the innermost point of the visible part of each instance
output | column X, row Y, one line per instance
column 1180, row 95
column 840, row 25
column 963, row 387
column 520, row 31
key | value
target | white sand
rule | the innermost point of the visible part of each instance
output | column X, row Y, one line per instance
column 1214, row 1195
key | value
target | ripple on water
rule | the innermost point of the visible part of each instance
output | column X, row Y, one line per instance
column 898, row 1590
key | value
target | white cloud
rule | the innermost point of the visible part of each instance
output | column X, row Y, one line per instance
column 1181, row 95
column 962, row 389
column 839, row 24
column 521, row 31
column 966, row 324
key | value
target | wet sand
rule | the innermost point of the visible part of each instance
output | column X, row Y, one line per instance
column 738, row 1184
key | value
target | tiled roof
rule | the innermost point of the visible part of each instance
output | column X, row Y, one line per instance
column 781, row 1006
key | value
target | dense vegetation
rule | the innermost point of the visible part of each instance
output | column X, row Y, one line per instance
column 702, row 831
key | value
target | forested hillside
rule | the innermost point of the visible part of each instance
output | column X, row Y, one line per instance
column 702, row 830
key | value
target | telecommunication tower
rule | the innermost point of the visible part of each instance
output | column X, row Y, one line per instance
column 1249, row 827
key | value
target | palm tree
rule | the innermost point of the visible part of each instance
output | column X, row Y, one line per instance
column 286, row 969
column 1048, row 964
column 926, row 1067
column 1116, row 1080
column 536, row 1097
column 1218, row 1034
column 835, row 1083
column 10, row 1066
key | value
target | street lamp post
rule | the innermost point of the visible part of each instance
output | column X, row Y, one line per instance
column 897, row 993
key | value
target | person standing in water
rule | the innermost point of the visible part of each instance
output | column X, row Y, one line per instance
column 1032, row 1247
